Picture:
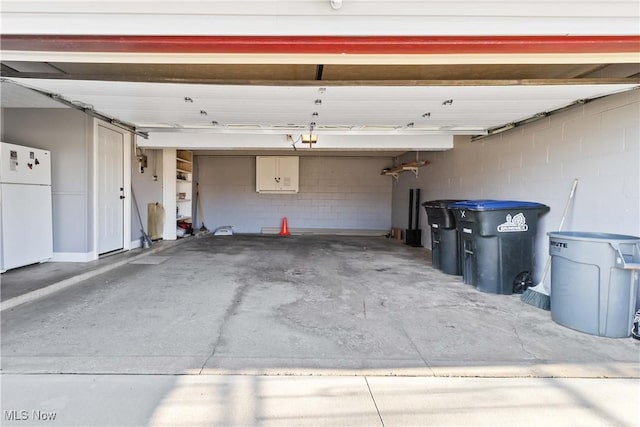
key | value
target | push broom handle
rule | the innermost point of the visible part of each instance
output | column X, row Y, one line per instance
column 564, row 215
column 566, row 207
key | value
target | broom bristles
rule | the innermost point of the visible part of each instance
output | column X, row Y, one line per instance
column 536, row 299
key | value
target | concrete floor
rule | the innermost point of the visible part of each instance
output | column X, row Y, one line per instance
column 303, row 305
column 40, row 279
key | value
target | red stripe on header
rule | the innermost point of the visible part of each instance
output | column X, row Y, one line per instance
column 352, row 45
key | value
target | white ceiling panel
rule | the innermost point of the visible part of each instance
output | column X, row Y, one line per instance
column 278, row 108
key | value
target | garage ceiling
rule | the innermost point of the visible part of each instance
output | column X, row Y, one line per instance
column 366, row 69
column 369, row 110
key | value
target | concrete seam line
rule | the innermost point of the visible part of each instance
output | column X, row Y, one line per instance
column 374, row 401
column 63, row 284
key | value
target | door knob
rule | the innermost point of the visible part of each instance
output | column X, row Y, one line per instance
column 121, row 197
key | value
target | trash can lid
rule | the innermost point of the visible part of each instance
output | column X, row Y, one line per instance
column 439, row 204
column 492, row 205
column 592, row 236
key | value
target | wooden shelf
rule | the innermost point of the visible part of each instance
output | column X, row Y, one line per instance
column 184, row 161
column 184, row 175
column 177, row 190
column 184, row 156
column 405, row 167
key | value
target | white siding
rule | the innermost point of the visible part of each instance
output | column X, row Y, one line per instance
column 316, row 17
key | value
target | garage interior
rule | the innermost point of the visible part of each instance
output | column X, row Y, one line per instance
column 362, row 128
column 477, row 116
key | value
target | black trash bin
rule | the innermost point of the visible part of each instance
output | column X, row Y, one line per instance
column 497, row 242
column 444, row 236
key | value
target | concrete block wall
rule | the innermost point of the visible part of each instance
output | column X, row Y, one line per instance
column 335, row 192
column 598, row 143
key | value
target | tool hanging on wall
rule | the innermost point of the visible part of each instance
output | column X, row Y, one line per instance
column 142, row 159
column 155, row 165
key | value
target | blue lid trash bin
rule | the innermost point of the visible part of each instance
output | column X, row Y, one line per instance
column 594, row 281
column 497, row 243
column 444, row 236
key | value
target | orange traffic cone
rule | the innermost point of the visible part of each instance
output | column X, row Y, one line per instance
column 284, row 230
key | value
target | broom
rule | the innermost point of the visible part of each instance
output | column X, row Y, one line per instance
column 146, row 241
column 538, row 296
column 203, row 229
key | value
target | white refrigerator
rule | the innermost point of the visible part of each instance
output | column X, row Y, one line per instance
column 25, row 206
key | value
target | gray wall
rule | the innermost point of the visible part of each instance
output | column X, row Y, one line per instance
column 145, row 188
column 598, row 143
column 68, row 134
column 345, row 193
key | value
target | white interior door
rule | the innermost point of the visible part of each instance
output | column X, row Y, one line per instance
column 111, row 190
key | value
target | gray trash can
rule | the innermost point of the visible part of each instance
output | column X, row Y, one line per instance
column 594, row 281
column 497, row 242
column 444, row 236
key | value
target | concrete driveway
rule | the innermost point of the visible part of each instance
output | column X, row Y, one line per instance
column 304, row 305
